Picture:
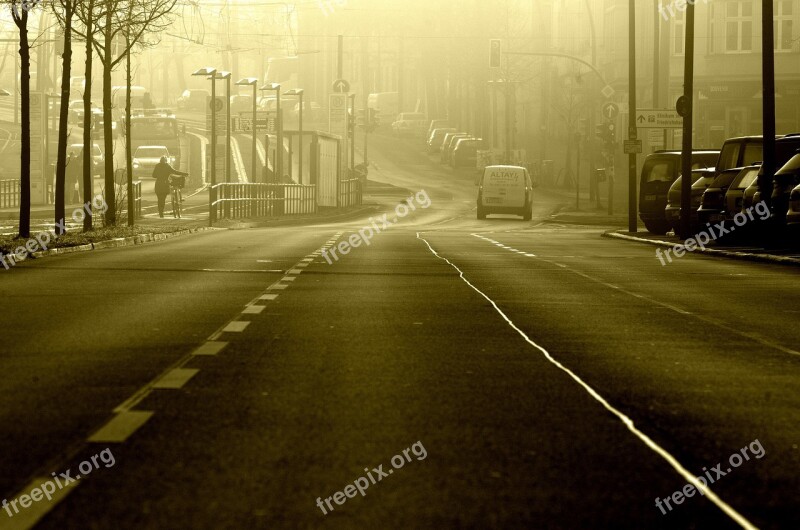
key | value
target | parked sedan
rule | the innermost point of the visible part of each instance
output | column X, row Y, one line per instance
column 465, row 153
column 712, row 202
column 437, row 136
column 734, row 198
column 793, row 215
column 786, row 179
column 701, row 179
column 449, row 145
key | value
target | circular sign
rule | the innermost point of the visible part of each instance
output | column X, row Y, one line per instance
column 217, row 104
column 610, row 110
column 341, row 86
column 682, row 106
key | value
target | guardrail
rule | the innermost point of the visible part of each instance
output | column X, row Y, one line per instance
column 239, row 201
column 350, row 192
column 9, row 193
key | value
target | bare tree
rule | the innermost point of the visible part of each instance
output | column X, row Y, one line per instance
column 128, row 22
column 65, row 12
column 19, row 13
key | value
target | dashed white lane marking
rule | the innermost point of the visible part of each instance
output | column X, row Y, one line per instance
column 237, row 326
column 295, row 271
column 278, row 287
column 307, row 259
column 288, row 278
column 253, row 310
column 175, row 378
column 628, row 422
column 241, row 270
column 121, row 427
column 28, row 517
column 211, row 347
column 268, row 297
column 302, row 265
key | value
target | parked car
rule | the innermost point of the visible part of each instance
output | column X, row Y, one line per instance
column 659, row 173
column 449, row 144
column 436, row 124
column 193, row 99
column 412, row 123
column 712, row 202
column 734, row 198
column 446, row 141
column 505, row 190
column 786, row 179
column 793, row 215
column 146, row 157
column 701, row 179
column 437, row 136
column 465, row 153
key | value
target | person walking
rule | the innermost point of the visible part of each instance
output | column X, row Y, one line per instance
column 162, row 172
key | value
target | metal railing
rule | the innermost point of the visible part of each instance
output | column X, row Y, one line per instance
column 9, row 193
column 350, row 192
column 137, row 199
column 239, row 201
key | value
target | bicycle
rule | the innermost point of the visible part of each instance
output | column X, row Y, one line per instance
column 176, row 183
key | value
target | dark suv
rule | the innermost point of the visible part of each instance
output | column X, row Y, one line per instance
column 659, row 172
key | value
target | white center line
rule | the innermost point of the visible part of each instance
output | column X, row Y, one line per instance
column 253, row 310
column 120, row 427
column 237, row 326
column 175, row 378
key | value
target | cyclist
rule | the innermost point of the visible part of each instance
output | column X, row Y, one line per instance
column 162, row 173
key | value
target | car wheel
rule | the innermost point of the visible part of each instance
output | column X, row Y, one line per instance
column 658, row 228
column 527, row 215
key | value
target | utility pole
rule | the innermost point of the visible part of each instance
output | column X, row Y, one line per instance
column 768, row 94
column 366, row 89
column 340, row 58
column 632, row 133
column 688, row 115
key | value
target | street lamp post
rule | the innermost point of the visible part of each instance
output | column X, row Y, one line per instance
column 299, row 93
column 227, row 77
column 252, row 81
column 210, row 73
column 353, row 140
column 278, row 148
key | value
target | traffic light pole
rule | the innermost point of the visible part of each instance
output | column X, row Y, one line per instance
column 688, row 105
column 632, row 132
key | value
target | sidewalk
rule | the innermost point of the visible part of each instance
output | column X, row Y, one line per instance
column 785, row 256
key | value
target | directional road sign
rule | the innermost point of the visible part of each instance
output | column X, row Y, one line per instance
column 341, row 86
column 610, row 110
column 658, row 119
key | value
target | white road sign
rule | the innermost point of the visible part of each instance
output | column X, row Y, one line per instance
column 658, row 119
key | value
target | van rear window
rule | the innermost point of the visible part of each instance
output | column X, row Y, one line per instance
column 658, row 170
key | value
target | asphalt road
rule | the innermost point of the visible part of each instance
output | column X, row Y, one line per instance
column 461, row 373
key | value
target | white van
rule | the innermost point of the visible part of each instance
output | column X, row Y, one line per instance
column 505, row 190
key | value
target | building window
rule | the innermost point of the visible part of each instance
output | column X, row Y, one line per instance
column 739, row 26
column 678, row 32
column 711, row 35
column 783, row 25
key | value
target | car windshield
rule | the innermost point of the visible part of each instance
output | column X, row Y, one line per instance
column 746, row 178
column 729, row 156
column 150, row 152
column 724, row 179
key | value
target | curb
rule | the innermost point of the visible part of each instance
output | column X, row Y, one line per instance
column 744, row 256
column 115, row 243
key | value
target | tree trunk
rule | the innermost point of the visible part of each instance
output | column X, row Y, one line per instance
column 111, row 203
column 88, row 146
column 128, row 143
column 25, row 124
column 63, row 117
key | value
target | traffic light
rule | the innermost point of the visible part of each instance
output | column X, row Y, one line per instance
column 607, row 132
column 495, row 53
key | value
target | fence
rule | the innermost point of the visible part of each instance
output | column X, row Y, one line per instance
column 350, row 192
column 9, row 193
column 238, row 201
